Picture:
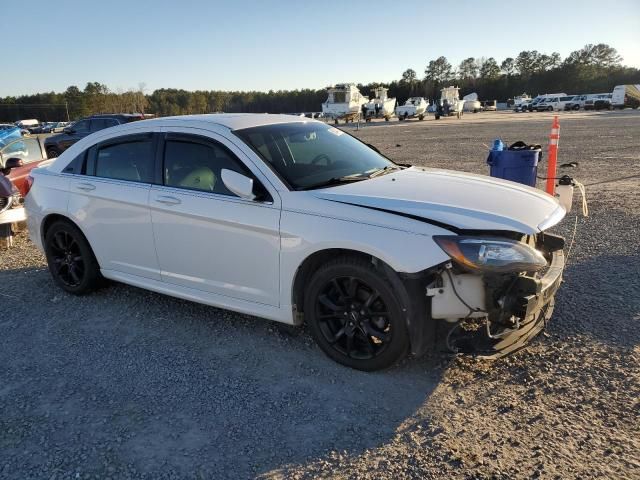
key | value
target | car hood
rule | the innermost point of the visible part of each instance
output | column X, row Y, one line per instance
column 460, row 201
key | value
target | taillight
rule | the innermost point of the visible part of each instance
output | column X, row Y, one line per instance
column 28, row 183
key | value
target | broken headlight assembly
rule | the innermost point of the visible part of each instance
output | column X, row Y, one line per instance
column 491, row 254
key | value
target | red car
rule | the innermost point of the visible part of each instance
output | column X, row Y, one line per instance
column 30, row 152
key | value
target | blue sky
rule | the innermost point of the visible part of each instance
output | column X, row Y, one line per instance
column 263, row 45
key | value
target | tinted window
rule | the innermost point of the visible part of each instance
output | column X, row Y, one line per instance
column 307, row 155
column 197, row 165
column 28, row 149
column 131, row 160
column 102, row 123
column 81, row 126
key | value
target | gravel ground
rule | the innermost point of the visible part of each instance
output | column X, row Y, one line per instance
column 126, row 383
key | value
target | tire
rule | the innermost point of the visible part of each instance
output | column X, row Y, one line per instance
column 52, row 152
column 550, row 109
column 420, row 117
column 71, row 261
column 576, row 107
column 340, row 305
column 437, row 117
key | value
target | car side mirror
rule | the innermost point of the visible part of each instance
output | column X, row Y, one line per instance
column 237, row 183
column 13, row 162
column 68, row 130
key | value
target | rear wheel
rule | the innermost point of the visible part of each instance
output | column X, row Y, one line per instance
column 70, row 258
column 354, row 315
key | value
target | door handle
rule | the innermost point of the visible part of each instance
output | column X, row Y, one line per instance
column 166, row 200
column 87, row 187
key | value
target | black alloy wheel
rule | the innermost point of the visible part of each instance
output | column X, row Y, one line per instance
column 355, row 316
column 70, row 258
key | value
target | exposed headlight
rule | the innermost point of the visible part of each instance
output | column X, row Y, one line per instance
column 491, row 254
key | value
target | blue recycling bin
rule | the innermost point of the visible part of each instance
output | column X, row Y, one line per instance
column 515, row 164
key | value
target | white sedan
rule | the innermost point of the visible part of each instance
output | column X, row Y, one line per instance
column 296, row 221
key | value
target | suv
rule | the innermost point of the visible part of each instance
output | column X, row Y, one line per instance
column 576, row 103
column 56, row 144
column 590, row 104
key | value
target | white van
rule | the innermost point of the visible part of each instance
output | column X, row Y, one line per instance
column 542, row 98
column 30, row 123
column 624, row 96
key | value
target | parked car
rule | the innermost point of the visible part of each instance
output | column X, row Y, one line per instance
column 294, row 220
column 590, row 102
column 602, row 104
column 21, row 156
column 576, row 103
column 489, row 105
column 56, row 144
column 533, row 106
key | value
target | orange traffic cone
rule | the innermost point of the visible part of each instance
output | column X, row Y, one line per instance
column 552, row 163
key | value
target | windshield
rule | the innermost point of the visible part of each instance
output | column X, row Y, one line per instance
column 312, row 155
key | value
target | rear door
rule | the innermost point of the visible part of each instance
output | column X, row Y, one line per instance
column 109, row 194
column 206, row 237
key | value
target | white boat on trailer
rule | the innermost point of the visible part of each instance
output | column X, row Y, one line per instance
column 413, row 107
column 381, row 106
column 344, row 102
column 449, row 103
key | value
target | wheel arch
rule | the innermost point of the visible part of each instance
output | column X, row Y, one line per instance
column 408, row 287
column 51, row 219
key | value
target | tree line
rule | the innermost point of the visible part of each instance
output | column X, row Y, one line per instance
column 591, row 69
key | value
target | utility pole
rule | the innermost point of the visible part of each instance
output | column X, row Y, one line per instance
column 66, row 107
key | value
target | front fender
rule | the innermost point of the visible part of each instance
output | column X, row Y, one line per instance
column 304, row 234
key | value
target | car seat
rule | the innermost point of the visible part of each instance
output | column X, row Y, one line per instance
column 201, row 178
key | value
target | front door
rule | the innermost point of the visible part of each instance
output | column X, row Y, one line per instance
column 207, row 238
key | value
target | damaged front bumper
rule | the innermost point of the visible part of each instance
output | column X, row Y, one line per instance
column 532, row 310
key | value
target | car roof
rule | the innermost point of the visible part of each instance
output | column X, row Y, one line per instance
column 233, row 121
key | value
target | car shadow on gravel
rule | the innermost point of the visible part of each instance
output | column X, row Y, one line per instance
column 600, row 298
column 128, row 382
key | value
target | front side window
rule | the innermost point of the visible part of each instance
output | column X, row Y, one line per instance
column 131, row 160
column 197, row 165
column 28, row 149
column 311, row 155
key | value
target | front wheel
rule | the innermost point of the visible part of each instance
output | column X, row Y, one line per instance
column 355, row 316
column 70, row 258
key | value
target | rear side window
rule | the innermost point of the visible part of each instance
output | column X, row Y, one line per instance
column 102, row 123
column 196, row 165
column 81, row 126
column 131, row 160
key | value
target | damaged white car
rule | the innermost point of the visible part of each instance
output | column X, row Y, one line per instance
column 296, row 221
